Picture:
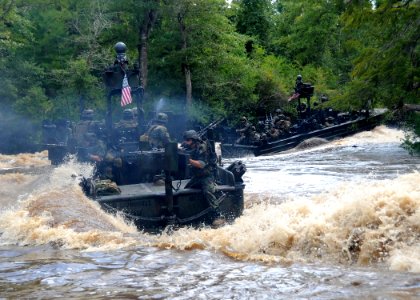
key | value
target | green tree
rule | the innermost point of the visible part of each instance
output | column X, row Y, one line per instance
column 199, row 37
column 307, row 32
column 385, row 69
column 254, row 18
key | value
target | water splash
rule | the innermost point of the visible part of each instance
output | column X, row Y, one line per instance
column 58, row 213
column 378, row 135
column 357, row 223
column 24, row 160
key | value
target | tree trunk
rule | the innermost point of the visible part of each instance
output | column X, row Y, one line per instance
column 144, row 31
column 185, row 65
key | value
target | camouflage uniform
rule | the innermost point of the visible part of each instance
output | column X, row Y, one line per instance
column 255, row 137
column 202, row 178
column 93, row 148
column 128, row 121
column 273, row 134
column 126, row 129
column 283, row 126
column 107, row 162
column 84, row 126
column 244, row 131
column 157, row 135
column 111, row 166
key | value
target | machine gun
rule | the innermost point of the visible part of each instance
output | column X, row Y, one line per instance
column 306, row 90
column 208, row 136
column 203, row 132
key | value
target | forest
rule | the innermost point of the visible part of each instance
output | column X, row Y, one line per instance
column 206, row 58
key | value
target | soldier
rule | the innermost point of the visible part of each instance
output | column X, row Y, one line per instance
column 94, row 148
column 298, row 84
column 255, row 137
column 107, row 162
column 273, row 134
column 278, row 115
column 111, row 166
column 85, row 125
column 126, row 128
column 87, row 115
column 128, row 120
column 157, row 135
column 298, row 89
column 244, row 131
column 138, row 113
column 283, row 125
column 203, row 163
column 260, row 126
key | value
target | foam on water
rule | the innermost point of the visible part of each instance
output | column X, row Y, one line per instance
column 57, row 212
column 379, row 135
column 24, row 160
column 361, row 222
column 357, row 223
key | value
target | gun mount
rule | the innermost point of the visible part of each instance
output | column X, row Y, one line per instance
column 113, row 78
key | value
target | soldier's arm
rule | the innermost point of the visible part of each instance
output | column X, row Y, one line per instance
column 243, row 129
column 98, row 153
column 199, row 164
column 200, row 160
column 165, row 136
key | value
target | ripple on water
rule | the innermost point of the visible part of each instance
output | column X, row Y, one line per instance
column 337, row 221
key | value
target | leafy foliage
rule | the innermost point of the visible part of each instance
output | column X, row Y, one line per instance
column 242, row 57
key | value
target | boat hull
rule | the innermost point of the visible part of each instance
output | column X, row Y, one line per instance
column 147, row 207
column 329, row 133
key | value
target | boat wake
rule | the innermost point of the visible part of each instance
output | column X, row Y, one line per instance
column 57, row 212
column 370, row 222
column 24, row 160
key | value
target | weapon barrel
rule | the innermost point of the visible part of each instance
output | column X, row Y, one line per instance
column 210, row 126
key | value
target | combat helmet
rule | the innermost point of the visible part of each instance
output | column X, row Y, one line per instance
column 191, row 135
column 162, row 118
column 87, row 114
column 299, row 77
column 128, row 114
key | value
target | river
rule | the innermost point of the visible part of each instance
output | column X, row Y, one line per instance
column 339, row 221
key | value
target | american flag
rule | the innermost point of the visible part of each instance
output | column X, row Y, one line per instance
column 125, row 92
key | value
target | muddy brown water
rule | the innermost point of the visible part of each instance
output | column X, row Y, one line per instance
column 340, row 221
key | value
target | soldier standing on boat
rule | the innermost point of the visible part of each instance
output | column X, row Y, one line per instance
column 93, row 148
column 255, row 137
column 126, row 128
column 244, row 131
column 128, row 121
column 85, row 125
column 108, row 164
column 203, row 163
column 157, row 135
column 298, row 84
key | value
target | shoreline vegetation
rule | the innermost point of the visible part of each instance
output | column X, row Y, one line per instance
column 206, row 58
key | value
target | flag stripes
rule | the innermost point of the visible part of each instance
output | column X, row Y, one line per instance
column 125, row 92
